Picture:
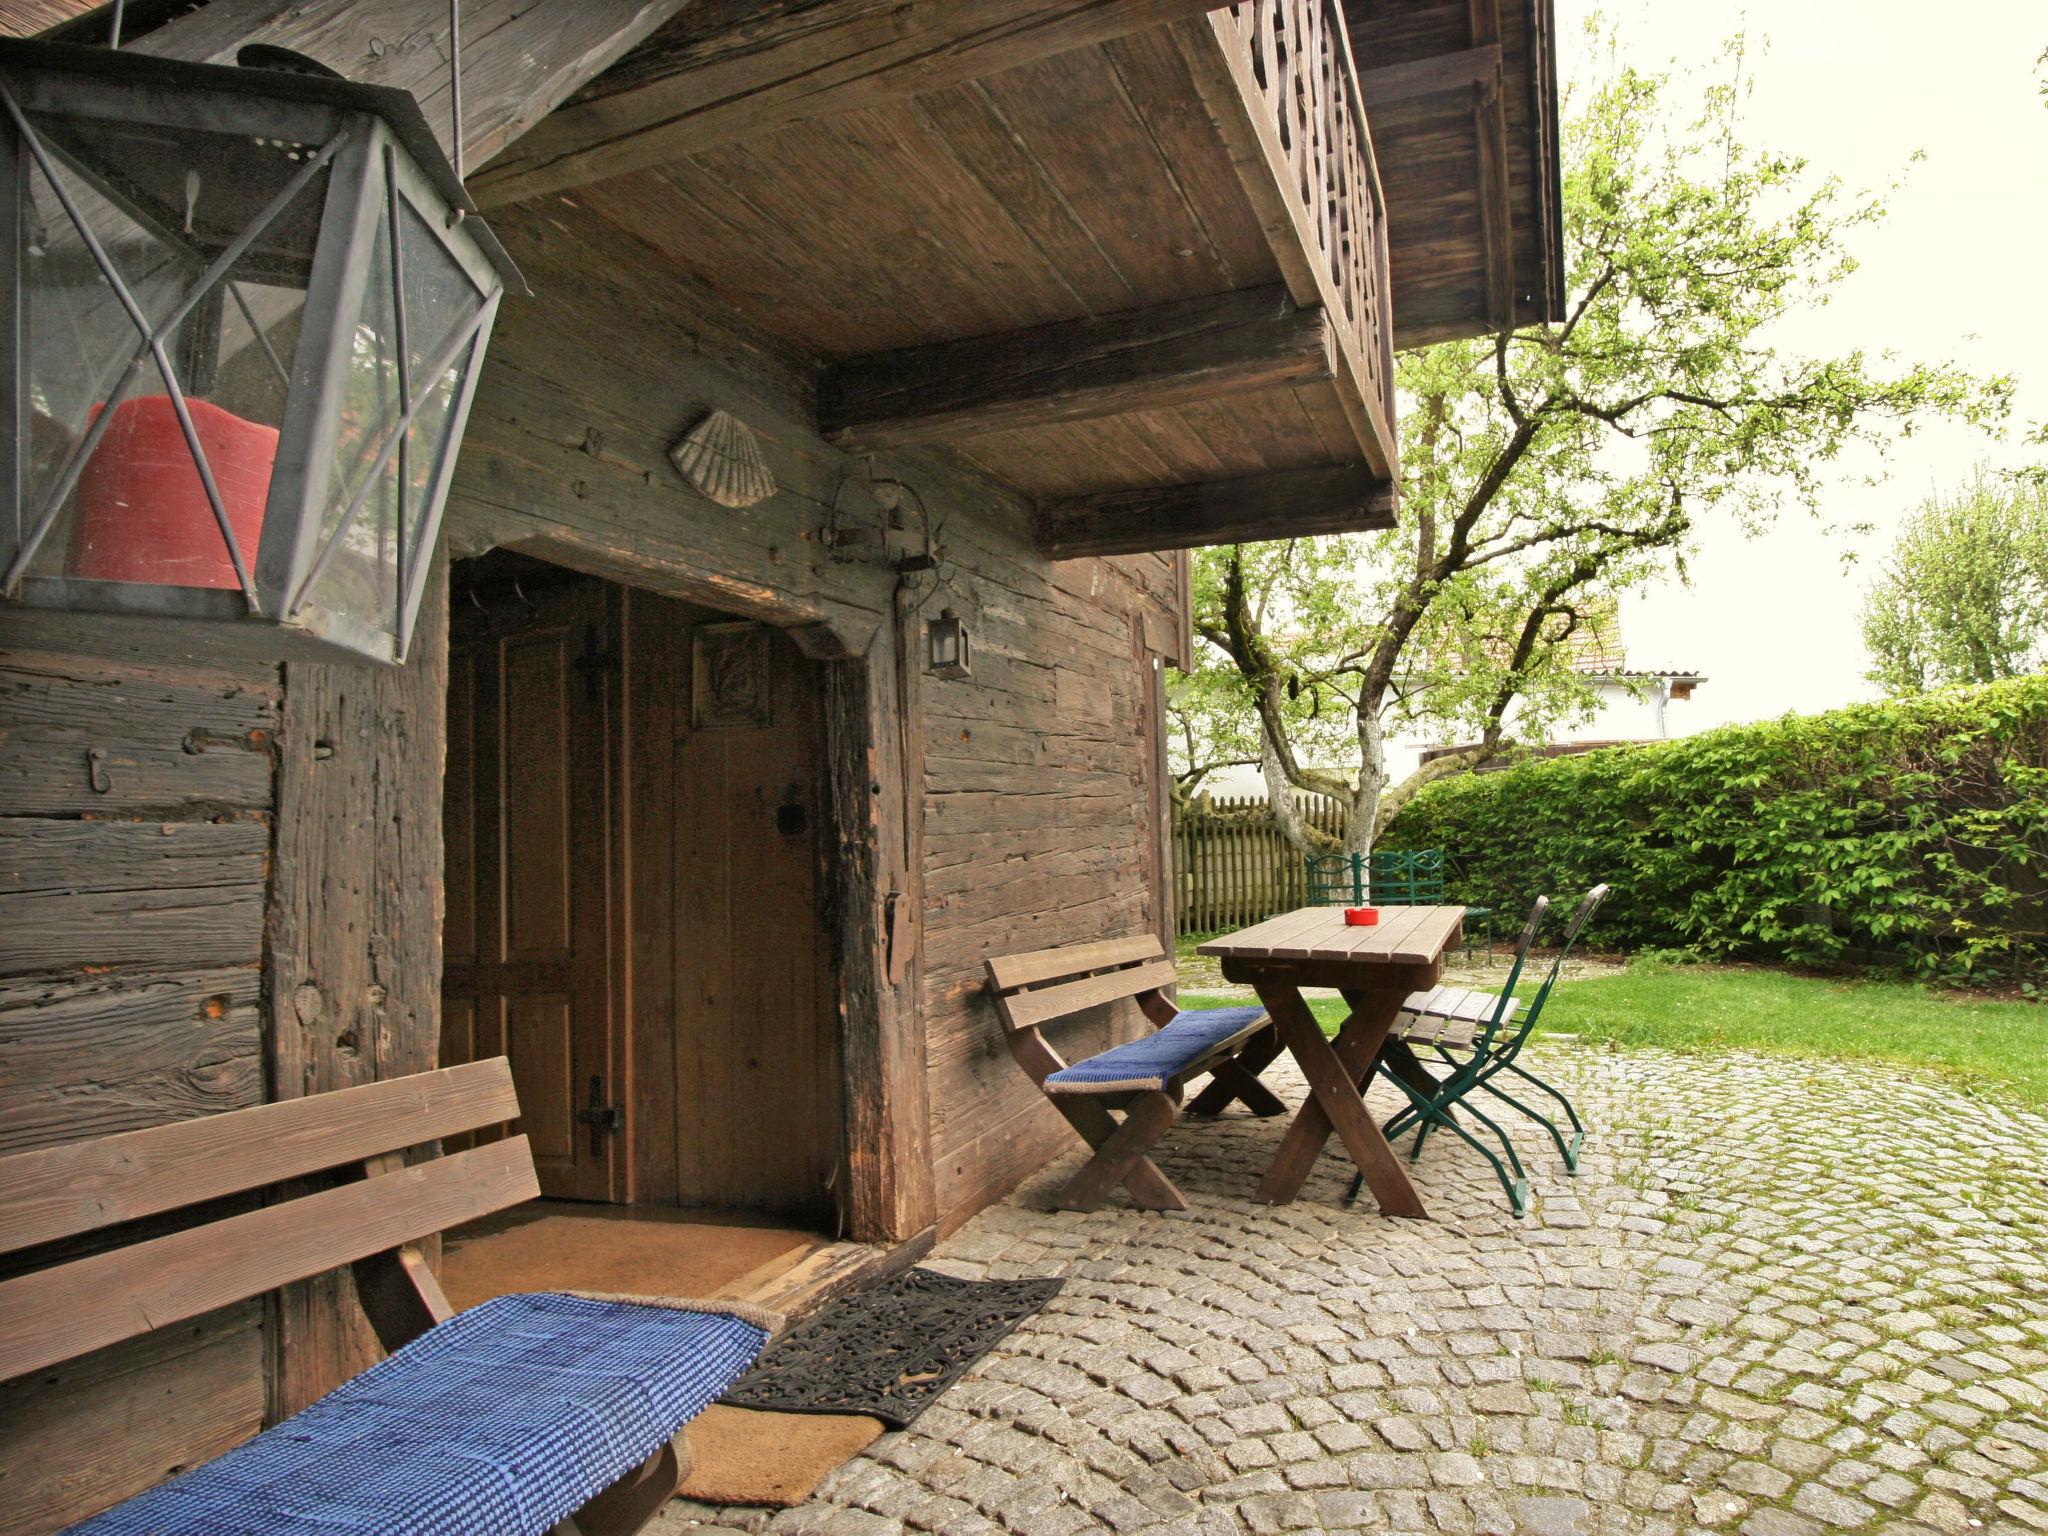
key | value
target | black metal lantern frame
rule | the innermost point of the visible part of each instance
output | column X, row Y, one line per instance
column 243, row 314
column 950, row 647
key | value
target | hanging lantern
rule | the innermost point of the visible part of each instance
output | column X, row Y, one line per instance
column 950, row 654
column 244, row 317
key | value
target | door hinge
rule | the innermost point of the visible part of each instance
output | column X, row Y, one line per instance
column 602, row 1118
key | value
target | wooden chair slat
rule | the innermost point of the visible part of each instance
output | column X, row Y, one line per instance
column 1026, row 1009
column 1009, row 972
column 71, row 1309
column 61, row 1191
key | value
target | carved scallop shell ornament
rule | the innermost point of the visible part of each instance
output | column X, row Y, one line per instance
column 721, row 457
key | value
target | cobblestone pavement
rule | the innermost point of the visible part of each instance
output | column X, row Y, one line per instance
column 1782, row 1298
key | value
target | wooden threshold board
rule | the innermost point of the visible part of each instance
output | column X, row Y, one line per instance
column 830, row 1270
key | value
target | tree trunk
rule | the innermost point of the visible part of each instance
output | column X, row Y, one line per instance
column 1449, row 766
column 1280, row 795
column 1362, row 817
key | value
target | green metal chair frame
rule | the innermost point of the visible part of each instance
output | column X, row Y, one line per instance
column 1493, row 1051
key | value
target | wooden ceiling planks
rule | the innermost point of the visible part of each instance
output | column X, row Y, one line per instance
column 1076, row 117
column 1226, row 439
column 1155, row 78
column 975, row 131
column 1057, row 190
column 25, row 18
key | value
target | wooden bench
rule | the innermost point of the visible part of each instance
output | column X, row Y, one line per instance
column 455, row 1429
column 1141, row 1079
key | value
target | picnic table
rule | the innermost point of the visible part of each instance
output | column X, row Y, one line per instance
column 1375, row 968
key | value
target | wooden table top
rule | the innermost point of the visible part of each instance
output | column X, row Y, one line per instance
column 1403, row 935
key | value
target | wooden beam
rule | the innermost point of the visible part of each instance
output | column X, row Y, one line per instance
column 1344, row 498
column 1431, row 76
column 1496, row 218
column 1174, row 354
column 725, row 70
column 521, row 59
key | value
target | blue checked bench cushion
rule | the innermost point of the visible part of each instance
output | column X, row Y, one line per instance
column 1154, row 1060
column 498, row 1422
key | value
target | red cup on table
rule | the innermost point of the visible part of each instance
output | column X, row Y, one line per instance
column 1361, row 917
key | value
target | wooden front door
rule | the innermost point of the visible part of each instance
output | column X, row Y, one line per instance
column 527, row 821
column 757, row 1058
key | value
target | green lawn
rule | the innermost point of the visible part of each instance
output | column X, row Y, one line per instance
column 1712, row 1007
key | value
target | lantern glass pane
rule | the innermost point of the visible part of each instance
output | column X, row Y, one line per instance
column 364, row 577
column 163, row 209
column 440, row 300
column 355, row 572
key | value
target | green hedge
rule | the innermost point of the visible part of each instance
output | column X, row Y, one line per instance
column 1912, row 832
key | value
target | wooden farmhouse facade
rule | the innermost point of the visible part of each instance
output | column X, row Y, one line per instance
column 855, row 326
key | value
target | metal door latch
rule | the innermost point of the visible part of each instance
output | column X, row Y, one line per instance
column 602, row 1118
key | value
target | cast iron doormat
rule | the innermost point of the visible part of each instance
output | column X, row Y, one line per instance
column 890, row 1349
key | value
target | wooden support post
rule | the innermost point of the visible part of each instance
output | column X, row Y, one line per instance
column 1340, row 499
column 352, row 942
column 878, row 798
column 1173, row 354
column 1496, row 220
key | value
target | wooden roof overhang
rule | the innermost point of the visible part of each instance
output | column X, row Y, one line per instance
column 1128, row 258
column 1464, row 102
column 1075, row 244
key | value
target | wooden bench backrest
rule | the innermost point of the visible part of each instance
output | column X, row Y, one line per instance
column 72, row 1307
column 1045, row 985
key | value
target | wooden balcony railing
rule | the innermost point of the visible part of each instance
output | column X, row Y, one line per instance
column 1300, row 108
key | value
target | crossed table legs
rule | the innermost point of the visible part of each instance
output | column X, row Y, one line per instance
column 1335, row 1070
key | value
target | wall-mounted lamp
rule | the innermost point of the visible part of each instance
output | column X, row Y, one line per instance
column 950, row 653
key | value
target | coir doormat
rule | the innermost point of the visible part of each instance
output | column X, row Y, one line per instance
column 890, row 1349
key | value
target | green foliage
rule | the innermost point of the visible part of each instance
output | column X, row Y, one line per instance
column 1914, row 831
column 1964, row 597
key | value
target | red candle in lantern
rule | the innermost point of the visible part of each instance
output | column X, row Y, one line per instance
column 142, row 508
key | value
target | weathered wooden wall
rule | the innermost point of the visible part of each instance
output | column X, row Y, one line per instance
column 1039, row 793
column 131, row 946
column 250, row 908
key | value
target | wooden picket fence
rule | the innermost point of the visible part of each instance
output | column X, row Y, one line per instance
column 1231, row 864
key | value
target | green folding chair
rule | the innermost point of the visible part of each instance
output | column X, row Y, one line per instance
column 1478, row 1039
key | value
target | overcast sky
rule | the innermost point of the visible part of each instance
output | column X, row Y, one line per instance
column 1857, row 87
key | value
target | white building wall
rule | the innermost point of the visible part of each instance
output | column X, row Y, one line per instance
column 1620, row 715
